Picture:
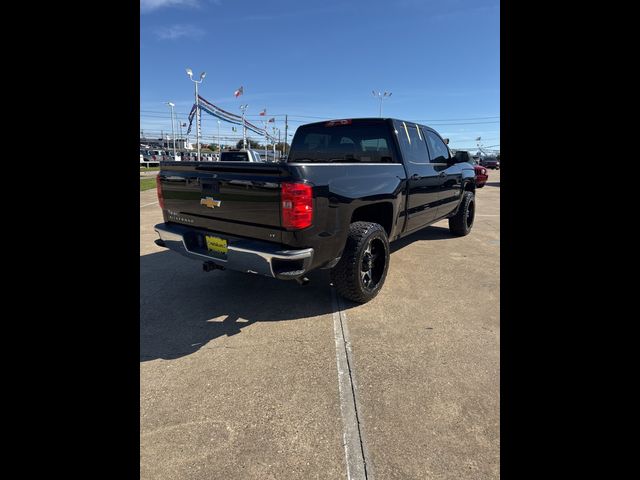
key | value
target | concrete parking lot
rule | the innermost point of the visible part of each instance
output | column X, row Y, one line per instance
column 239, row 377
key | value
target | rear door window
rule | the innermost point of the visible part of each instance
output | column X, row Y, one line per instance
column 411, row 141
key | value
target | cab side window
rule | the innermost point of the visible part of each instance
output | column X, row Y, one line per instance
column 411, row 141
column 437, row 148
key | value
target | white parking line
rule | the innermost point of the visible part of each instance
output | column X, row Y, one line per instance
column 354, row 449
column 152, row 203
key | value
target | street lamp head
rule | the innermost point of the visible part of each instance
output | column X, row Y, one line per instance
column 202, row 75
column 171, row 104
column 190, row 72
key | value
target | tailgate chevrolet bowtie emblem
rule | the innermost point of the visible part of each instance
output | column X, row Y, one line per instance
column 210, row 202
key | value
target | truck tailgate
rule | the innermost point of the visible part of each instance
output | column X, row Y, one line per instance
column 229, row 197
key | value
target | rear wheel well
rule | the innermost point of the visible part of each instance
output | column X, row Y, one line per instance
column 380, row 213
column 470, row 187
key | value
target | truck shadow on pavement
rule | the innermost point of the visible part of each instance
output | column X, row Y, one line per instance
column 182, row 308
column 492, row 184
column 429, row 233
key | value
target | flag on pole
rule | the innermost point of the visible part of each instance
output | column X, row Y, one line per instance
column 263, row 112
column 271, row 120
column 238, row 92
column 192, row 114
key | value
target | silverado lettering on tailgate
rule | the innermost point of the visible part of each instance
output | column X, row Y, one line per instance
column 176, row 217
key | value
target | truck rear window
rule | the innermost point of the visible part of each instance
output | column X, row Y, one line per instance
column 342, row 143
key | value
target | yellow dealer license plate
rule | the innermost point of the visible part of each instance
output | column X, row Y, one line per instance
column 215, row 244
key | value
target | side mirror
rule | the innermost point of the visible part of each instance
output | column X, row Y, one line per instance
column 461, row 157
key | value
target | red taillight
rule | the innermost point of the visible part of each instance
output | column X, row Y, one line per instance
column 159, row 190
column 297, row 205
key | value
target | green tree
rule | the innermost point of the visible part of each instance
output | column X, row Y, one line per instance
column 281, row 145
column 250, row 143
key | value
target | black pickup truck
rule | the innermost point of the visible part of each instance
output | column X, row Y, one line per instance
column 347, row 189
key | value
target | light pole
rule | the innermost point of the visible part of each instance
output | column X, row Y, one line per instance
column 381, row 96
column 244, row 128
column 266, row 139
column 202, row 75
column 219, row 147
column 286, row 127
column 274, row 144
column 173, row 129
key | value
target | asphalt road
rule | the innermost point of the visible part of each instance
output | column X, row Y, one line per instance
column 238, row 373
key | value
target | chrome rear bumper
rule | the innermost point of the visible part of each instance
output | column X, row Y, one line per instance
column 252, row 256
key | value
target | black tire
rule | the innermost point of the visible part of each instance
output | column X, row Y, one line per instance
column 362, row 269
column 462, row 222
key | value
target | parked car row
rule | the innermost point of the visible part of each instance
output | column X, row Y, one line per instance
column 193, row 156
column 154, row 157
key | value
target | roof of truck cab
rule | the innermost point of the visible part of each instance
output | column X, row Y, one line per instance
column 367, row 119
column 377, row 119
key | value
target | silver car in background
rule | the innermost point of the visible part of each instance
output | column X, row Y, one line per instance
column 241, row 156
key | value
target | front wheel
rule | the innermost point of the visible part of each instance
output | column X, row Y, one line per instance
column 362, row 269
column 460, row 224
